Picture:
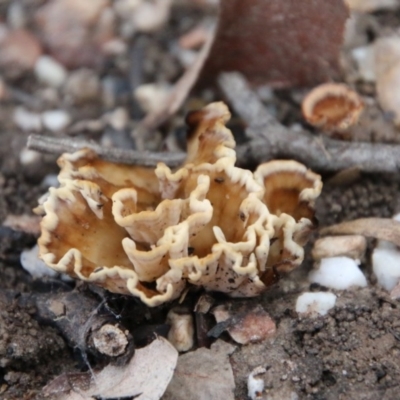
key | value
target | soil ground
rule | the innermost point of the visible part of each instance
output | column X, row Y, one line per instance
column 352, row 353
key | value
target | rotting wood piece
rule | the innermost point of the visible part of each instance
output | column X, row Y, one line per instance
column 84, row 324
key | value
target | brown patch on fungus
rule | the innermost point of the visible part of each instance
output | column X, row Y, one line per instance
column 332, row 107
column 150, row 233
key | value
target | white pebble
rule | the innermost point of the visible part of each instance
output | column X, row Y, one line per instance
column 151, row 96
column 29, row 157
column 27, row 120
column 150, row 17
column 386, row 266
column 364, row 56
column 50, row 72
column 338, row 273
column 386, row 262
column 181, row 333
column 255, row 383
column 50, row 180
column 31, row 263
column 315, row 303
column 56, row 120
column 118, row 119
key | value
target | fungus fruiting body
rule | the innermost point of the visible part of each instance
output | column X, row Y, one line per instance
column 151, row 233
column 333, row 107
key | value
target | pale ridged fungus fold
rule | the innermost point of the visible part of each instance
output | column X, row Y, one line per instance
column 152, row 233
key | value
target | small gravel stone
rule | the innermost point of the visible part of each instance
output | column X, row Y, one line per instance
column 338, row 273
column 56, row 120
column 315, row 303
column 28, row 157
column 83, row 86
column 50, row 72
column 26, row 120
column 19, row 52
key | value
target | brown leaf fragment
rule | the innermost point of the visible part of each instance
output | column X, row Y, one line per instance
column 66, row 383
column 26, row 223
column 379, row 228
column 203, row 374
column 280, row 43
column 246, row 325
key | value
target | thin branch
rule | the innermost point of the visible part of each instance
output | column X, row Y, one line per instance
column 52, row 145
column 269, row 139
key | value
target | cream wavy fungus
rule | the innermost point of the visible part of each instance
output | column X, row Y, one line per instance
column 152, row 233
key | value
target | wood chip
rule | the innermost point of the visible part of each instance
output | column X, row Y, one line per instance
column 379, row 228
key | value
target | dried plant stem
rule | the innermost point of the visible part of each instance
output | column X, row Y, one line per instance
column 67, row 145
column 269, row 139
column 175, row 100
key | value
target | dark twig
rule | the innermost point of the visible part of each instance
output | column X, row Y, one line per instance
column 269, row 139
column 52, row 145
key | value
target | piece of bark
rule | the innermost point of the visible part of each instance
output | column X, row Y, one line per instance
column 279, row 43
column 269, row 139
column 379, row 228
column 352, row 246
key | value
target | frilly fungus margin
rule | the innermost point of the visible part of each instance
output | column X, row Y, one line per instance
column 151, row 233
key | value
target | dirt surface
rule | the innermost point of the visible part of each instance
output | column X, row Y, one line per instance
column 351, row 353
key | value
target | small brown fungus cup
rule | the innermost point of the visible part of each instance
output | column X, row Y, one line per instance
column 332, row 107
